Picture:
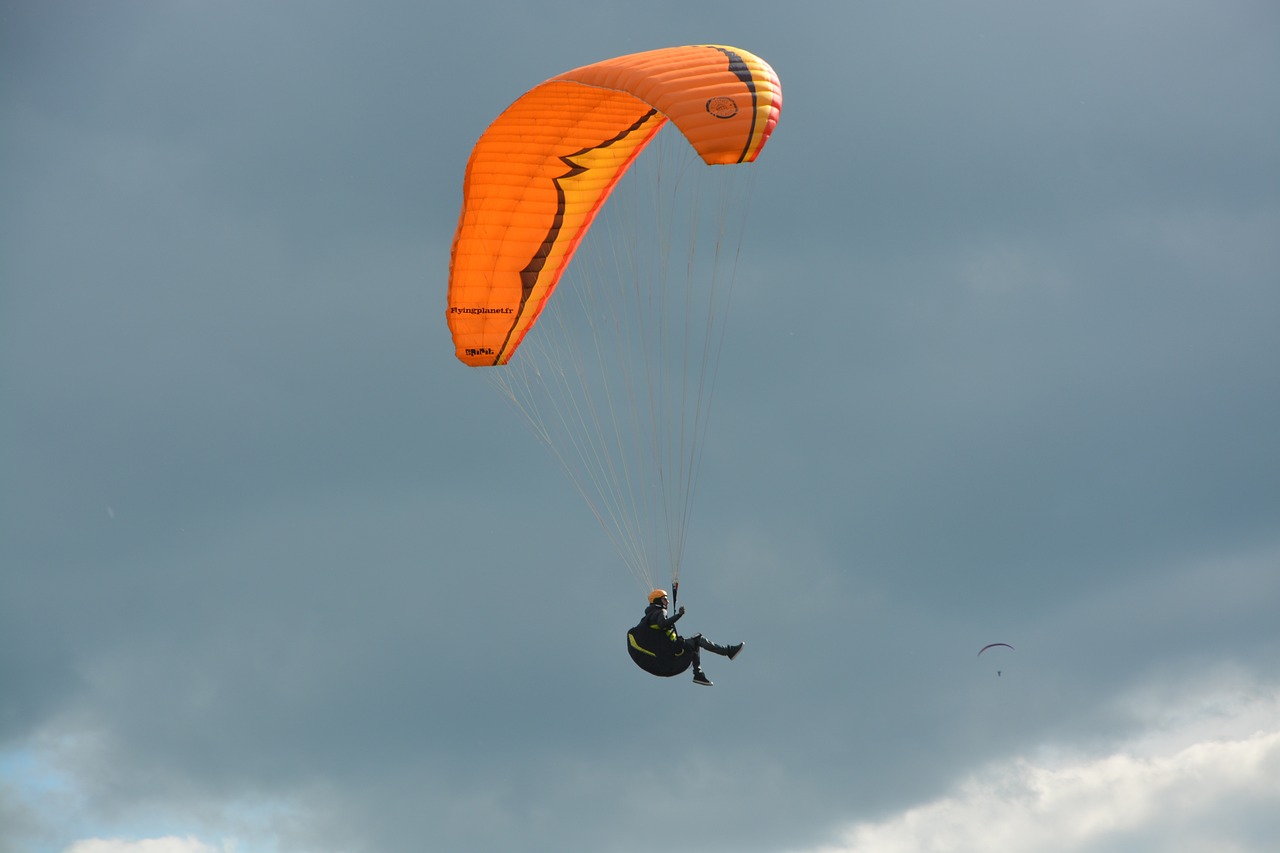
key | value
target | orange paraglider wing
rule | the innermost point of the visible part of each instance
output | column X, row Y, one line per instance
column 539, row 174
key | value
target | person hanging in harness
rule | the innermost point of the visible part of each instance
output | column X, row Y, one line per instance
column 657, row 649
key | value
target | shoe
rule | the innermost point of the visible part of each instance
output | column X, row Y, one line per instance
column 700, row 677
column 733, row 651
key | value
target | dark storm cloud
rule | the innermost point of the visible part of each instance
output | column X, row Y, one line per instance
column 999, row 368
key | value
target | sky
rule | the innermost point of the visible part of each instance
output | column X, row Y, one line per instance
column 279, row 575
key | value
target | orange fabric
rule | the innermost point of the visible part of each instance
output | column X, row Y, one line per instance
column 539, row 174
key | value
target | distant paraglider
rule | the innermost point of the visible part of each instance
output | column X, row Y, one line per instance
column 992, row 646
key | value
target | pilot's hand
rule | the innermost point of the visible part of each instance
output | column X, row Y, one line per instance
column 680, row 612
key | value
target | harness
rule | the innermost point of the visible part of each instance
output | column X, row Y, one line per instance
column 658, row 651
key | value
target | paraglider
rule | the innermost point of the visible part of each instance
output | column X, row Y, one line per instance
column 656, row 648
column 620, row 392
column 992, row 646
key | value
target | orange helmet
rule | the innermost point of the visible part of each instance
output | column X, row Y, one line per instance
column 656, row 594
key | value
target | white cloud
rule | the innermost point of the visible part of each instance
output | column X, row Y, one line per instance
column 167, row 844
column 1189, row 790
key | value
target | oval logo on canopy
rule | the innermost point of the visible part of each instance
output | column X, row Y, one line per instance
column 722, row 107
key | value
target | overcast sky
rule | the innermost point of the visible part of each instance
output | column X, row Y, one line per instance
column 279, row 575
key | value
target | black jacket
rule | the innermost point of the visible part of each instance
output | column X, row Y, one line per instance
column 656, row 617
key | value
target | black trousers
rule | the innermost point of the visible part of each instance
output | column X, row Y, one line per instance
column 693, row 644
